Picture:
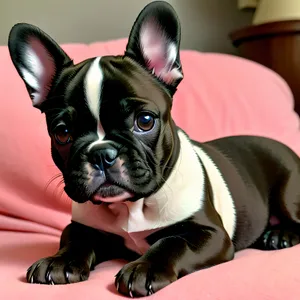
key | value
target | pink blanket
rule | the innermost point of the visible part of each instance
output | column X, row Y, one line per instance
column 221, row 95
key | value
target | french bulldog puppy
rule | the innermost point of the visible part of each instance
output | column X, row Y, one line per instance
column 141, row 189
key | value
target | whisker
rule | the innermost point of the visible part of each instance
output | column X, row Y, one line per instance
column 58, row 187
column 61, row 191
column 59, row 175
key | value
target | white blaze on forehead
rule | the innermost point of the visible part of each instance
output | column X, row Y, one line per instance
column 93, row 87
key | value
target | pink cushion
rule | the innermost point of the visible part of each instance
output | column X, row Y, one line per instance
column 221, row 95
column 251, row 276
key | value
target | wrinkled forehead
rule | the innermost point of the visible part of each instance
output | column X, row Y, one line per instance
column 129, row 76
column 109, row 79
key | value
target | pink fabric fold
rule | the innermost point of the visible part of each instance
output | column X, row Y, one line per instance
column 220, row 95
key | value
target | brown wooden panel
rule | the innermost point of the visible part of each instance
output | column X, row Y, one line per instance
column 275, row 45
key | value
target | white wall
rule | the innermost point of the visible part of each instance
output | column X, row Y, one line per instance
column 205, row 23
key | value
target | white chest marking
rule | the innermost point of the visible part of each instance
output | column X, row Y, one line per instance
column 179, row 198
column 93, row 87
column 222, row 198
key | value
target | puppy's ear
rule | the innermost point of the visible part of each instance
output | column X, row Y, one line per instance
column 154, row 42
column 37, row 58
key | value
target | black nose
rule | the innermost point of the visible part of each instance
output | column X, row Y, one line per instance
column 103, row 156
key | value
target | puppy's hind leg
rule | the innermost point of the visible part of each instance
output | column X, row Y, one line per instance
column 285, row 205
column 278, row 237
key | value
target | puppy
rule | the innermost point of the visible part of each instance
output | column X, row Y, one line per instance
column 141, row 189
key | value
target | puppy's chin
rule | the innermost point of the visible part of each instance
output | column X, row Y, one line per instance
column 97, row 199
column 110, row 194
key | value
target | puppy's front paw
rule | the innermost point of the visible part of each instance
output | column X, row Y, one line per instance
column 143, row 278
column 58, row 270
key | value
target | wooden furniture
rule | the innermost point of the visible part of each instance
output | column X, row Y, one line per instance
column 275, row 45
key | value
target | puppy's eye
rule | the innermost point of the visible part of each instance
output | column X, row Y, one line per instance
column 62, row 135
column 144, row 122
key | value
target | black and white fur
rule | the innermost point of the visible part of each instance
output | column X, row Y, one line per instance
column 151, row 195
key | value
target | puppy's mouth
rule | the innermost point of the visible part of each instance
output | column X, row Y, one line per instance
column 110, row 193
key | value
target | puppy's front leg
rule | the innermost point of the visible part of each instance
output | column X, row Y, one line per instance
column 187, row 247
column 81, row 248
